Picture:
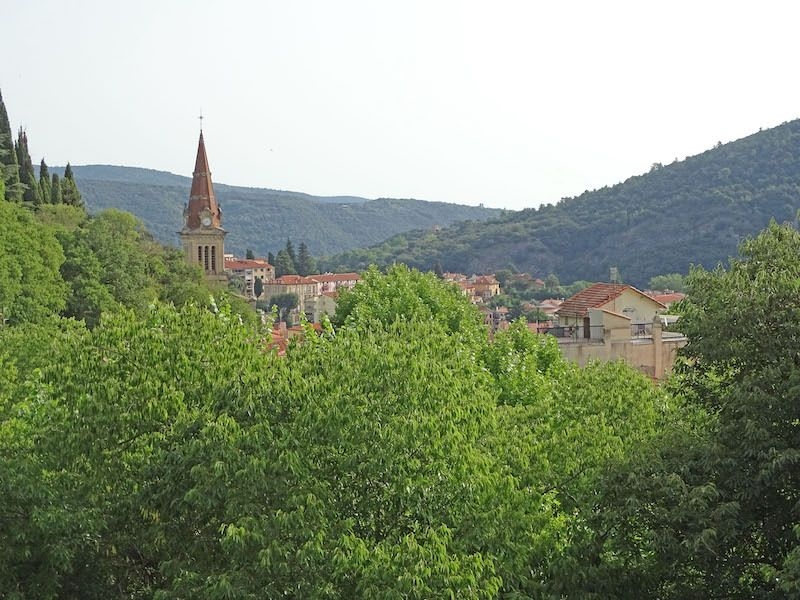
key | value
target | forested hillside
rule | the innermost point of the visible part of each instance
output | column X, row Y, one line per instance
column 690, row 212
column 262, row 219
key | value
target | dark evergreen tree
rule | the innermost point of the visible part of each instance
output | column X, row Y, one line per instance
column 9, row 170
column 44, row 183
column 271, row 258
column 5, row 126
column 27, row 176
column 249, row 254
column 290, row 251
column 258, row 287
column 55, row 190
column 284, row 264
column 305, row 262
column 69, row 189
column 437, row 269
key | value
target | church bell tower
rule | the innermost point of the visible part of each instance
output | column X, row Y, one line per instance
column 202, row 235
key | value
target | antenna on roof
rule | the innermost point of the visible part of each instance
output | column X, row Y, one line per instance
column 614, row 275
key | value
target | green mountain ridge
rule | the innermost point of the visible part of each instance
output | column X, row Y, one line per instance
column 262, row 219
column 695, row 211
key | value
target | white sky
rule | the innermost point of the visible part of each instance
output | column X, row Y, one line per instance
column 508, row 103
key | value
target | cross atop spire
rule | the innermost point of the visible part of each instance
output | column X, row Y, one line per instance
column 201, row 120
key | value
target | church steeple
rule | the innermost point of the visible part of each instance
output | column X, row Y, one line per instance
column 202, row 235
column 202, row 201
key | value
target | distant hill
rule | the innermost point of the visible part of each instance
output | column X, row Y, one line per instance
column 690, row 212
column 262, row 219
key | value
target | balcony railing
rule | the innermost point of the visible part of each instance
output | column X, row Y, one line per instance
column 578, row 333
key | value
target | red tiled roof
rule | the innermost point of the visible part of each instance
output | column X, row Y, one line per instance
column 294, row 280
column 550, row 303
column 243, row 263
column 594, row 296
column 329, row 277
column 484, row 279
column 668, row 299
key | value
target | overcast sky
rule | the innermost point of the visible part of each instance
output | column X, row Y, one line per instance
column 511, row 104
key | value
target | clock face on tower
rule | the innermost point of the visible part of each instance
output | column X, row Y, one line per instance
column 206, row 221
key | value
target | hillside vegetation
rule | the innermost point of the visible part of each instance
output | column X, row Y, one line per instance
column 262, row 219
column 694, row 211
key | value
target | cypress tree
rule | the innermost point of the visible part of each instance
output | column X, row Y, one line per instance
column 55, row 190
column 305, row 262
column 44, row 183
column 27, row 176
column 290, row 251
column 69, row 189
column 5, row 126
column 271, row 258
column 9, row 170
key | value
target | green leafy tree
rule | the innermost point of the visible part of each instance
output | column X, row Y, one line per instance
column 285, row 303
column 109, row 464
column 31, row 287
column 672, row 281
column 402, row 294
column 305, row 262
column 118, row 240
column 82, row 270
column 742, row 368
column 561, row 431
column 249, row 254
column 417, row 529
column 113, row 254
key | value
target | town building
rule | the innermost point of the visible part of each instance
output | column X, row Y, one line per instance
column 316, row 294
column 248, row 271
column 611, row 321
column 616, row 298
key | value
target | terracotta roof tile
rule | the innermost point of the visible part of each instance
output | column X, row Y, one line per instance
column 668, row 298
column 329, row 277
column 243, row 263
column 594, row 296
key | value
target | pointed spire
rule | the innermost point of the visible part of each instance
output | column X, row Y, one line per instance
column 202, row 198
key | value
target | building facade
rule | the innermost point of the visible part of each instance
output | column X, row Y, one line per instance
column 249, row 271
